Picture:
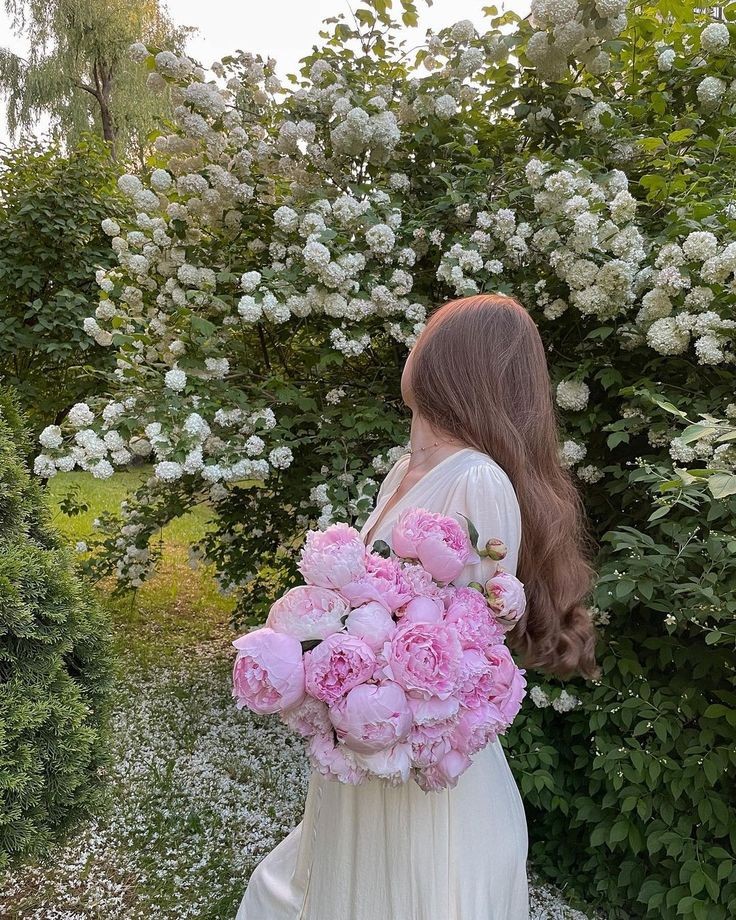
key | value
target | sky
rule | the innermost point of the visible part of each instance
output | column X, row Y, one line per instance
column 283, row 29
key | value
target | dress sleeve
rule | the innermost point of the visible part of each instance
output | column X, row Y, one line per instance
column 484, row 493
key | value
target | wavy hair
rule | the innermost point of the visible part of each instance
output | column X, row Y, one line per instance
column 479, row 374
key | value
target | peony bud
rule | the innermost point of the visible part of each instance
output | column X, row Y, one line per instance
column 495, row 549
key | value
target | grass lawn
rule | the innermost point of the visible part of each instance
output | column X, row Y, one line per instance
column 179, row 608
column 199, row 792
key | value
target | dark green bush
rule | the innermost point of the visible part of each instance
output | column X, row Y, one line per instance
column 55, row 667
column 52, row 204
column 639, row 778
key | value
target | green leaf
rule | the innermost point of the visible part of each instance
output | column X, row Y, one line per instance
column 619, row 831
column 472, row 531
column 676, row 137
column 381, row 548
column 715, row 711
column 624, row 587
column 309, row 644
column 667, row 406
column 721, row 485
column 616, row 438
column 202, row 325
column 658, row 103
column 695, row 432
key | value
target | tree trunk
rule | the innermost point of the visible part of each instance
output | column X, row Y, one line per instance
column 103, row 82
column 108, row 127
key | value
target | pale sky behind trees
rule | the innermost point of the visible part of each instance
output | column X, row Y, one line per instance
column 284, row 29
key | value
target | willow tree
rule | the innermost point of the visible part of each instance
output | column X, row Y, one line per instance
column 77, row 71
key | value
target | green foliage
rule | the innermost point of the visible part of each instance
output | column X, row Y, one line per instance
column 51, row 243
column 642, row 773
column 54, row 668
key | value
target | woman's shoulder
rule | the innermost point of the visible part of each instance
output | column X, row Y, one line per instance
column 479, row 477
column 483, row 465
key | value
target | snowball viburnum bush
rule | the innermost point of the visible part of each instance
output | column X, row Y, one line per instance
column 291, row 240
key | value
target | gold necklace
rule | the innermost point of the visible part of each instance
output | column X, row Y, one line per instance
column 411, row 450
column 435, row 444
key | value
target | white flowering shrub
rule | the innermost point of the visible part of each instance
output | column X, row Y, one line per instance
column 289, row 244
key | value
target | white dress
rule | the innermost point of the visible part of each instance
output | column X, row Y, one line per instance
column 381, row 852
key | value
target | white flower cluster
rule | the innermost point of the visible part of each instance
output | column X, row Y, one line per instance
column 134, row 565
column 715, row 37
column 710, row 91
column 571, row 28
column 360, row 132
column 358, row 506
column 572, row 452
column 572, row 395
column 580, row 231
column 383, row 462
column 335, row 396
column 319, row 496
column 589, row 473
column 677, row 308
column 666, row 60
column 563, row 702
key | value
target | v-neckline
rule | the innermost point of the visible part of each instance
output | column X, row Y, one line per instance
column 374, row 525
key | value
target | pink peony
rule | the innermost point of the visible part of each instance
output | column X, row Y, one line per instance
column 423, row 610
column 382, row 581
column 333, row 557
column 434, row 709
column 430, row 742
column 506, row 598
column 438, row 542
column 393, row 764
column 420, row 581
column 337, row 665
column 434, row 724
column 308, row 612
column 445, row 773
column 335, row 760
column 372, row 717
column 508, row 683
column 478, row 678
column 468, row 611
column 268, row 674
column 424, row 658
column 372, row 623
column 310, row 718
column 476, row 728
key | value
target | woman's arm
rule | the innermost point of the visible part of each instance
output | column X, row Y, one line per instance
column 483, row 493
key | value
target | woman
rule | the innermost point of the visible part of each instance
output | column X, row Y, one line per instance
column 484, row 444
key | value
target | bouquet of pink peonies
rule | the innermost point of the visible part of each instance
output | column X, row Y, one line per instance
column 380, row 663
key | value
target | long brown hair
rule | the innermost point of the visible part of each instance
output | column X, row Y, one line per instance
column 479, row 373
